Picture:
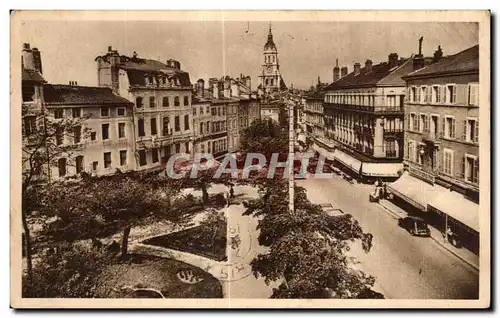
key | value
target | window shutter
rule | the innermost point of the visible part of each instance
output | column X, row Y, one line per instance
column 443, row 131
column 464, row 134
column 460, row 94
column 452, row 128
column 476, row 171
column 443, row 94
column 476, row 135
column 429, row 94
column 428, row 122
column 418, row 123
column 463, row 167
column 453, row 98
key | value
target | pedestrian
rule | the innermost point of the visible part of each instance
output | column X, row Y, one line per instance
column 231, row 192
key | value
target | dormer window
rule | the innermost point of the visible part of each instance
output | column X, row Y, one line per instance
column 150, row 80
column 164, row 80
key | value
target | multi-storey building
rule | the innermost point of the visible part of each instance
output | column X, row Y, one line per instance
column 313, row 111
column 202, row 118
column 271, row 109
column 102, row 131
column 162, row 95
column 364, row 117
column 442, row 143
column 218, row 108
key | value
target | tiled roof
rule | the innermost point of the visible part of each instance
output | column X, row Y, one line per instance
column 138, row 77
column 32, row 76
column 81, row 95
column 465, row 61
column 380, row 74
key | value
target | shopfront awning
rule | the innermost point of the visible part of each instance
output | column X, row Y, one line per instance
column 325, row 153
column 347, row 160
column 414, row 191
column 458, row 207
column 381, row 169
column 301, row 137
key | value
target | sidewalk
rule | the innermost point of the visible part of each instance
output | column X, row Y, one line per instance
column 462, row 253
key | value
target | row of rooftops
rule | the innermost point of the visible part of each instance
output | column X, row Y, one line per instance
column 397, row 71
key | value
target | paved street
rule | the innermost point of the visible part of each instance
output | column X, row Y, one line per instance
column 405, row 266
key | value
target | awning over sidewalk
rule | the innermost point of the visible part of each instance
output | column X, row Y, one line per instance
column 458, row 207
column 347, row 160
column 381, row 169
column 414, row 191
column 325, row 153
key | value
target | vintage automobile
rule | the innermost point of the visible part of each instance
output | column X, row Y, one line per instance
column 416, row 226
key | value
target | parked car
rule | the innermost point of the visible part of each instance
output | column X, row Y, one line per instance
column 416, row 226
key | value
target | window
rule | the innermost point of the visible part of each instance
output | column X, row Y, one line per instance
column 436, row 94
column 201, row 128
column 104, row 112
column 471, row 130
column 95, row 164
column 423, row 125
column 76, row 112
column 176, row 101
column 93, row 135
column 423, row 94
column 29, row 125
column 165, row 128
column 201, row 110
column 470, row 169
column 166, row 101
column 123, row 157
column 142, row 158
column 390, row 148
column 61, row 167
column 140, row 127
column 121, row 130
column 214, row 111
column 186, row 122
column 152, row 102
column 107, row 160
column 77, row 134
column 413, row 121
column 451, row 94
column 449, row 127
column 448, row 161
column 223, row 111
column 419, row 155
column 164, row 80
column 154, row 155
column 177, row 123
column 177, row 148
column 194, row 111
column 58, row 113
column 59, row 135
column 391, row 100
column 150, row 80
column 28, row 93
column 105, row 131
column 186, row 146
column 474, row 94
column 153, row 127
column 79, row 164
column 138, row 102
column 186, row 100
column 120, row 111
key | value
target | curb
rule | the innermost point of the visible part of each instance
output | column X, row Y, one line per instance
column 396, row 216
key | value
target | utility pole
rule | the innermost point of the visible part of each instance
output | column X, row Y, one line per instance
column 291, row 156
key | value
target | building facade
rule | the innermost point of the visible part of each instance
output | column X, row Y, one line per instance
column 442, row 142
column 313, row 114
column 364, row 117
column 101, row 139
column 162, row 97
column 202, row 118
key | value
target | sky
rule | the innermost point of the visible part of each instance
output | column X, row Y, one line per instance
column 214, row 49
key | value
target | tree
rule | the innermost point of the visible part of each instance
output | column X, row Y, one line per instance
column 307, row 249
column 42, row 147
column 265, row 137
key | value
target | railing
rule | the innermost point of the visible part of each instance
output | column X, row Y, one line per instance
column 422, row 174
column 371, row 109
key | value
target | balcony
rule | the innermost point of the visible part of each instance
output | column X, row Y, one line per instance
column 394, row 133
column 386, row 110
column 423, row 174
column 430, row 137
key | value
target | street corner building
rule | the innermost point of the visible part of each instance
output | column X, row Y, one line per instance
column 442, row 144
column 102, row 143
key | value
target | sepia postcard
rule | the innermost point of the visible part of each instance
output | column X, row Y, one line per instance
column 250, row 159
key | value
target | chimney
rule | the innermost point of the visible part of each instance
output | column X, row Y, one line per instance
column 200, row 87
column 110, row 48
column 344, row 71
column 28, row 61
column 227, row 87
column 393, row 60
column 357, row 68
column 336, row 71
column 249, row 84
column 215, row 89
column 37, row 60
column 418, row 60
column 368, row 66
column 438, row 55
